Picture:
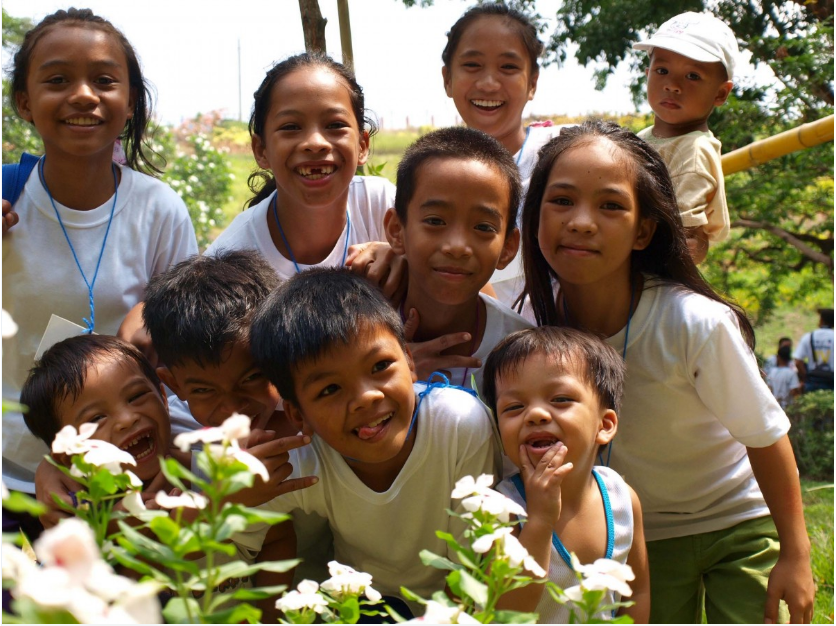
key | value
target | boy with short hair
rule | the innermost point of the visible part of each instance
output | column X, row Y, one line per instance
column 692, row 60
column 458, row 192
column 387, row 451
column 556, row 393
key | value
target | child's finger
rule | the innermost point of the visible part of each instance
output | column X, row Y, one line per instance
column 259, row 436
column 526, row 466
column 410, row 326
column 296, row 484
column 276, row 447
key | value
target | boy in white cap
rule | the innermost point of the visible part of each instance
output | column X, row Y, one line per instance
column 692, row 58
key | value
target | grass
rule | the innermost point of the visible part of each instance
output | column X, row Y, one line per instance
column 818, row 513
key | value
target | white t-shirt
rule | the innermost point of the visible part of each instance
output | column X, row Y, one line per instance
column 618, row 509
column 508, row 283
column 693, row 401
column 823, row 345
column 782, row 380
column 151, row 230
column 500, row 322
column 368, row 199
column 382, row 533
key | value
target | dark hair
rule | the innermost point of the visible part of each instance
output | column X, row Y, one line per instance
column 133, row 134
column 826, row 317
column 784, row 340
column 261, row 182
column 666, row 256
column 593, row 360
column 198, row 308
column 62, row 371
column 524, row 26
column 311, row 313
column 467, row 144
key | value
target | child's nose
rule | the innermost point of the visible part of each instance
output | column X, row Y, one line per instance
column 582, row 221
column 457, row 245
column 125, row 419
column 233, row 404
column 366, row 395
column 488, row 81
column 83, row 94
column 537, row 415
column 672, row 85
column 315, row 141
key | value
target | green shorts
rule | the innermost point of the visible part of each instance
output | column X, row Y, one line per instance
column 725, row 572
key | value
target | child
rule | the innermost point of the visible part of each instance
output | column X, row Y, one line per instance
column 454, row 221
column 782, row 377
column 701, row 439
column 555, row 393
column 692, row 58
column 308, row 130
column 387, row 453
column 491, row 67
column 90, row 232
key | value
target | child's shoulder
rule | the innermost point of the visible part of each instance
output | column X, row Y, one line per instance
column 371, row 186
column 150, row 193
column 677, row 303
column 500, row 313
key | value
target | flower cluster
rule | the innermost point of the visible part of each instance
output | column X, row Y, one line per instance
column 95, row 452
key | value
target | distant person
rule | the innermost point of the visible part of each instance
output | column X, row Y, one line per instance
column 782, row 377
column 772, row 360
column 491, row 67
column 814, row 354
column 692, row 59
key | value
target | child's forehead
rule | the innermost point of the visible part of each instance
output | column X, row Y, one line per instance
column 429, row 172
column 564, row 366
column 369, row 338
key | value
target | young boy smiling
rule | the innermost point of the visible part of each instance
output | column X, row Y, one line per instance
column 387, row 452
column 454, row 221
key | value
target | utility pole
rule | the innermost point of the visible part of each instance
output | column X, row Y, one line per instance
column 240, row 111
column 345, row 34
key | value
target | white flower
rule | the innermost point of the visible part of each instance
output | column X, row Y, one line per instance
column 104, row 454
column 138, row 604
column 8, row 328
column 575, row 594
column 134, row 479
column 4, row 491
column 304, row 597
column 52, row 587
column 186, row 440
column 70, row 545
column 69, row 441
column 467, row 486
column 253, row 464
column 188, row 500
column 133, row 503
column 347, row 581
column 16, row 563
column 511, row 547
column 477, row 495
column 438, row 613
column 605, row 574
column 236, row 427
column 485, row 542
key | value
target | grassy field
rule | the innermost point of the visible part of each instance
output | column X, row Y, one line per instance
column 818, row 512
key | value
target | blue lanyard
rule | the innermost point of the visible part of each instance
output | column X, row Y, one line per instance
column 558, row 545
column 91, row 321
column 522, row 147
column 287, row 244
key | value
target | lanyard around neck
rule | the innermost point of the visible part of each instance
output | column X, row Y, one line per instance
column 91, row 321
column 287, row 244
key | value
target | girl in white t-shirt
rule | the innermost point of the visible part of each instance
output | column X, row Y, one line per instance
column 86, row 233
column 309, row 134
column 701, row 438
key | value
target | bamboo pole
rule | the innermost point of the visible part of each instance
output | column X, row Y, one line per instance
column 799, row 138
column 345, row 34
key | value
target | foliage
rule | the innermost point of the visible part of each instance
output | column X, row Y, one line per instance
column 18, row 136
column 818, row 513
column 811, row 434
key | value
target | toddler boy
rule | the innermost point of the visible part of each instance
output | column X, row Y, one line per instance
column 387, row 452
column 692, row 60
column 555, row 393
column 454, row 220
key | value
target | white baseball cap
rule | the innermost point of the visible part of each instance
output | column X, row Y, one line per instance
column 698, row 36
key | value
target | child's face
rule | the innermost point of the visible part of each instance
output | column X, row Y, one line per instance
column 542, row 402
column 312, row 142
column 454, row 236
column 358, row 398
column 490, row 77
column 214, row 392
column 129, row 411
column 682, row 91
column 589, row 216
column 78, row 93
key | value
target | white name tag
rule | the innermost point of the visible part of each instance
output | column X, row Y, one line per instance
column 57, row 330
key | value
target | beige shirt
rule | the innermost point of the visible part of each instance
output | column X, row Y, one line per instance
column 697, row 174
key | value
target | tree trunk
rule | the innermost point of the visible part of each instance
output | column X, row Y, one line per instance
column 345, row 34
column 313, row 26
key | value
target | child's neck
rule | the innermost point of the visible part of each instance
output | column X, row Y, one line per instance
column 514, row 142
column 436, row 319
column 80, row 183
column 379, row 476
column 310, row 233
column 602, row 311
column 663, row 130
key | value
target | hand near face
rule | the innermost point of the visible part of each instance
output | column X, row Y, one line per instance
column 543, row 481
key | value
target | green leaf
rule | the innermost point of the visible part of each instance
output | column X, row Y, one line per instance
column 176, row 473
column 103, row 482
column 239, row 569
column 233, row 523
column 258, row 593
column 137, row 543
column 166, row 529
column 412, row 597
column 175, row 610
column 449, row 539
column 431, row 559
column 454, row 581
column 515, row 617
column 473, row 588
column 239, row 614
column 349, row 610
column 21, row 503
column 254, row 516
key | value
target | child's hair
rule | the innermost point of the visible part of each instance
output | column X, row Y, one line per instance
column 310, row 314
column 262, row 183
column 590, row 358
column 133, row 134
column 665, row 257
column 457, row 143
column 62, row 372
column 198, row 308
column 526, row 29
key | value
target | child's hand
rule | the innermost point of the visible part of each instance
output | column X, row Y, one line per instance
column 274, row 454
column 381, row 266
column 543, row 481
column 132, row 329
column 697, row 240
column 426, row 355
column 791, row 580
column 50, row 480
column 10, row 218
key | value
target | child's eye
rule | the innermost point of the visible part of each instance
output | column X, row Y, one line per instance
column 433, row 221
column 487, row 228
column 338, row 125
column 560, row 201
column 138, row 395
column 380, row 366
column 200, row 391
column 661, row 71
column 289, row 127
column 253, row 377
column 511, row 67
column 97, row 418
column 55, row 80
column 328, row 391
column 612, row 206
column 693, row 76
column 561, row 399
column 471, row 65
column 106, row 80
column 511, row 408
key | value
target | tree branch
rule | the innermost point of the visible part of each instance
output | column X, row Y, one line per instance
column 790, row 238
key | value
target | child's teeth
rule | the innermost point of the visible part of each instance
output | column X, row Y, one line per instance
column 83, row 121
column 488, row 103
column 315, row 173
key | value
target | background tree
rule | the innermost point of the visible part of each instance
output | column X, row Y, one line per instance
column 18, row 136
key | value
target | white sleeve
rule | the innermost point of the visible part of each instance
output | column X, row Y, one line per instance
column 176, row 240
column 728, row 382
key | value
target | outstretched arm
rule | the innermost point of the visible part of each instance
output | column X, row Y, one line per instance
column 637, row 560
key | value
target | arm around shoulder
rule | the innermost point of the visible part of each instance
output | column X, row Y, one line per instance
column 637, row 560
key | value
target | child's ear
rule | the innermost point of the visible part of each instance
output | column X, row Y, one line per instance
column 448, row 83
column 364, row 148
column 258, row 152
column 532, row 85
column 394, row 231
column 723, row 93
column 168, row 379
column 131, row 104
column 22, row 101
column 644, row 235
column 509, row 249
column 294, row 414
column 609, row 424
